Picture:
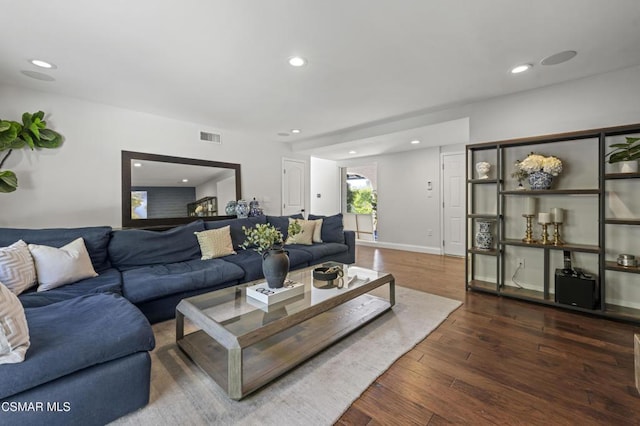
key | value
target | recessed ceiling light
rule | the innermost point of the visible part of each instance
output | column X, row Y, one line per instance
column 352, row 152
column 42, row 64
column 296, row 131
column 559, row 57
column 297, row 61
column 521, row 68
column 415, row 142
column 137, row 164
column 185, row 180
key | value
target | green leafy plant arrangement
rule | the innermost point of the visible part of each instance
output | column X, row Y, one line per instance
column 265, row 236
column 261, row 237
column 625, row 151
column 32, row 132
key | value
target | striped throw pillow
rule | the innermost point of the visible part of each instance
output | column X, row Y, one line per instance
column 17, row 270
column 14, row 332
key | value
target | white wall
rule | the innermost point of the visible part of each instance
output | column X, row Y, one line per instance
column 324, row 181
column 405, row 210
column 78, row 184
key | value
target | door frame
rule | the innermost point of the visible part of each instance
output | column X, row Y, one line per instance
column 441, row 207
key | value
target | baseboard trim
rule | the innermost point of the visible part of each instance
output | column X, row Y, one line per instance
column 396, row 246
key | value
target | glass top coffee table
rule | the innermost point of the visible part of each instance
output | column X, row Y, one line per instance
column 243, row 343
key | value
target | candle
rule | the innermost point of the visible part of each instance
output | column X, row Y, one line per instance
column 558, row 215
column 544, row 218
column 530, row 206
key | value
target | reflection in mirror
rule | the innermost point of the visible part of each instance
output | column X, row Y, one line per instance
column 162, row 190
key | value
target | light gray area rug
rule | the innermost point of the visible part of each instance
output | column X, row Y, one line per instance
column 315, row 393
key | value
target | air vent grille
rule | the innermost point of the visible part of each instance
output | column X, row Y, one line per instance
column 210, row 137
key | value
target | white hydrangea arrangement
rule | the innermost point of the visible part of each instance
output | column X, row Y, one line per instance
column 536, row 162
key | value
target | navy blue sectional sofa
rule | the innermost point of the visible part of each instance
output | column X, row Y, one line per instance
column 89, row 357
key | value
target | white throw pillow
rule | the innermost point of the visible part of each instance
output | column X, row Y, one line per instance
column 17, row 270
column 14, row 332
column 306, row 234
column 59, row 266
column 215, row 242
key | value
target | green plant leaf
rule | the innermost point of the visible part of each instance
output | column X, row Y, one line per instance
column 39, row 115
column 28, row 139
column 26, row 120
column 4, row 126
column 49, row 139
column 35, row 130
column 9, row 135
column 8, row 181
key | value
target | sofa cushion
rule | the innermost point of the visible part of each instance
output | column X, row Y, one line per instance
column 332, row 228
column 237, row 234
column 14, row 332
column 96, row 239
column 59, row 266
column 156, row 281
column 17, row 270
column 281, row 223
column 320, row 251
column 131, row 248
column 75, row 334
column 108, row 281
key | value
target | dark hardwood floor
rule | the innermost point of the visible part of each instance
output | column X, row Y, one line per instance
column 499, row 361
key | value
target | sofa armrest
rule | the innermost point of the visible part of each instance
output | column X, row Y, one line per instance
column 350, row 241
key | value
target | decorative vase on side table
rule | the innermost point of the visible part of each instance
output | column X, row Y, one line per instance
column 484, row 237
column 230, row 209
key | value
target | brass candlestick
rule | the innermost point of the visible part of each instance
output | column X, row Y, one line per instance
column 556, row 234
column 545, row 235
column 528, row 236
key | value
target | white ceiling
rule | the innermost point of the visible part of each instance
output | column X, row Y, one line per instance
column 223, row 63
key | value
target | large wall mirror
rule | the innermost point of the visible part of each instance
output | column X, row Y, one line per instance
column 158, row 190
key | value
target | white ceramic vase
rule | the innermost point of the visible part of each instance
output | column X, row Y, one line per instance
column 629, row 166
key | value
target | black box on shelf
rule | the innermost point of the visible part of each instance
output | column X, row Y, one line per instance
column 577, row 289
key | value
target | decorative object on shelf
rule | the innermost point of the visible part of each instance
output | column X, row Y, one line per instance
column 242, row 209
column 539, row 169
column 529, row 213
column 627, row 260
column 482, row 167
column 33, row 133
column 519, row 174
column 230, row 209
column 544, row 219
column 267, row 240
column 484, row 237
column 254, row 208
column 627, row 154
column 557, row 219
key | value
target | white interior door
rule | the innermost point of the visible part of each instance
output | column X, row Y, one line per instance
column 293, row 186
column 453, row 214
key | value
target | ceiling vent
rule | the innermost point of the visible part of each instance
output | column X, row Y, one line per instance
column 210, row 137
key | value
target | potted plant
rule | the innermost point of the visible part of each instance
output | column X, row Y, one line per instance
column 32, row 132
column 267, row 240
column 539, row 169
column 627, row 154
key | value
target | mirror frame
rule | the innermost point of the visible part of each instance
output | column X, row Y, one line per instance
column 127, row 156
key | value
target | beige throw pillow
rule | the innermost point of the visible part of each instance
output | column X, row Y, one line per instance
column 215, row 242
column 17, row 270
column 14, row 332
column 59, row 266
column 305, row 236
column 317, row 231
